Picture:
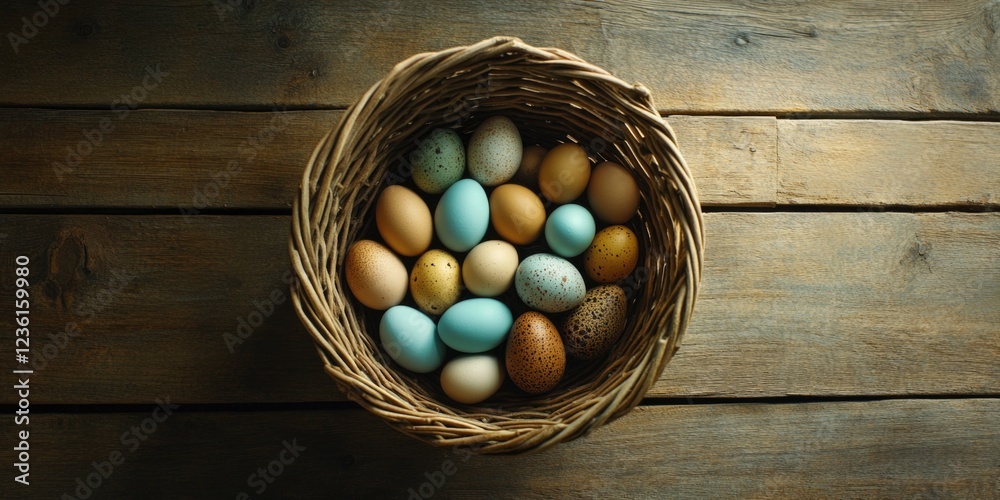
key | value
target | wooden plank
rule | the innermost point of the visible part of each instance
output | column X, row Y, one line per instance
column 711, row 56
column 734, row 159
column 792, row 303
column 184, row 159
column 876, row 162
column 876, row 449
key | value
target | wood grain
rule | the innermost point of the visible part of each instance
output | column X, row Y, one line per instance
column 711, row 56
column 193, row 160
column 879, row 449
column 852, row 304
column 878, row 162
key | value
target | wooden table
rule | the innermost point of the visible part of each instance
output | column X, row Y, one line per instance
column 845, row 343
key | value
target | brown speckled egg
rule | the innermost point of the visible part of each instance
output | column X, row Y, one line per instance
column 612, row 255
column 375, row 275
column 595, row 325
column 436, row 281
column 536, row 359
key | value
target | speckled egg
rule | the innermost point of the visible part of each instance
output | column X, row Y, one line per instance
column 517, row 213
column 549, row 283
column 527, row 171
column 494, row 151
column 596, row 324
column 613, row 254
column 536, row 359
column 439, row 161
column 404, row 221
column 435, row 281
column 375, row 275
column 488, row 269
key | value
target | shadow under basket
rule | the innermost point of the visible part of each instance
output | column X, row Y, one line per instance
column 553, row 97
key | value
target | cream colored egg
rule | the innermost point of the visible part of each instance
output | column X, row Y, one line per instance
column 489, row 268
column 472, row 378
column 375, row 275
column 436, row 281
column 404, row 221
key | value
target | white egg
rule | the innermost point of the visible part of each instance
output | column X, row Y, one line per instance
column 472, row 378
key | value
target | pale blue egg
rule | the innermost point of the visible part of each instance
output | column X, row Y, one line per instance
column 462, row 215
column 439, row 161
column 410, row 337
column 475, row 325
column 570, row 230
column 549, row 283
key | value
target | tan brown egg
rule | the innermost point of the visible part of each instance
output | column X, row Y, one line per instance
column 564, row 173
column 375, row 275
column 404, row 221
column 527, row 172
column 613, row 193
column 596, row 324
column 517, row 214
column 536, row 358
column 436, row 281
column 612, row 255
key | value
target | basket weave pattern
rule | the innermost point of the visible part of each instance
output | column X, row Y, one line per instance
column 552, row 96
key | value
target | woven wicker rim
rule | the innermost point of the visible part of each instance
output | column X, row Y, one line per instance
column 553, row 96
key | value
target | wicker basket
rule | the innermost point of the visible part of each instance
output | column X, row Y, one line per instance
column 552, row 96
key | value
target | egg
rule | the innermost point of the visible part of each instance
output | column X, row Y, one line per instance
column 488, row 269
column 375, row 275
column 462, row 215
column 536, row 358
column 596, row 324
column 404, row 221
column 517, row 214
column 564, row 173
column 495, row 151
column 527, row 171
column 472, row 378
column 410, row 338
column 613, row 193
column 475, row 325
column 612, row 255
column 569, row 230
column 549, row 283
column 435, row 281
column 439, row 161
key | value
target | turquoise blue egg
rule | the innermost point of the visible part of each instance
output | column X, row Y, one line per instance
column 475, row 325
column 410, row 337
column 439, row 161
column 570, row 230
column 549, row 283
column 462, row 215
